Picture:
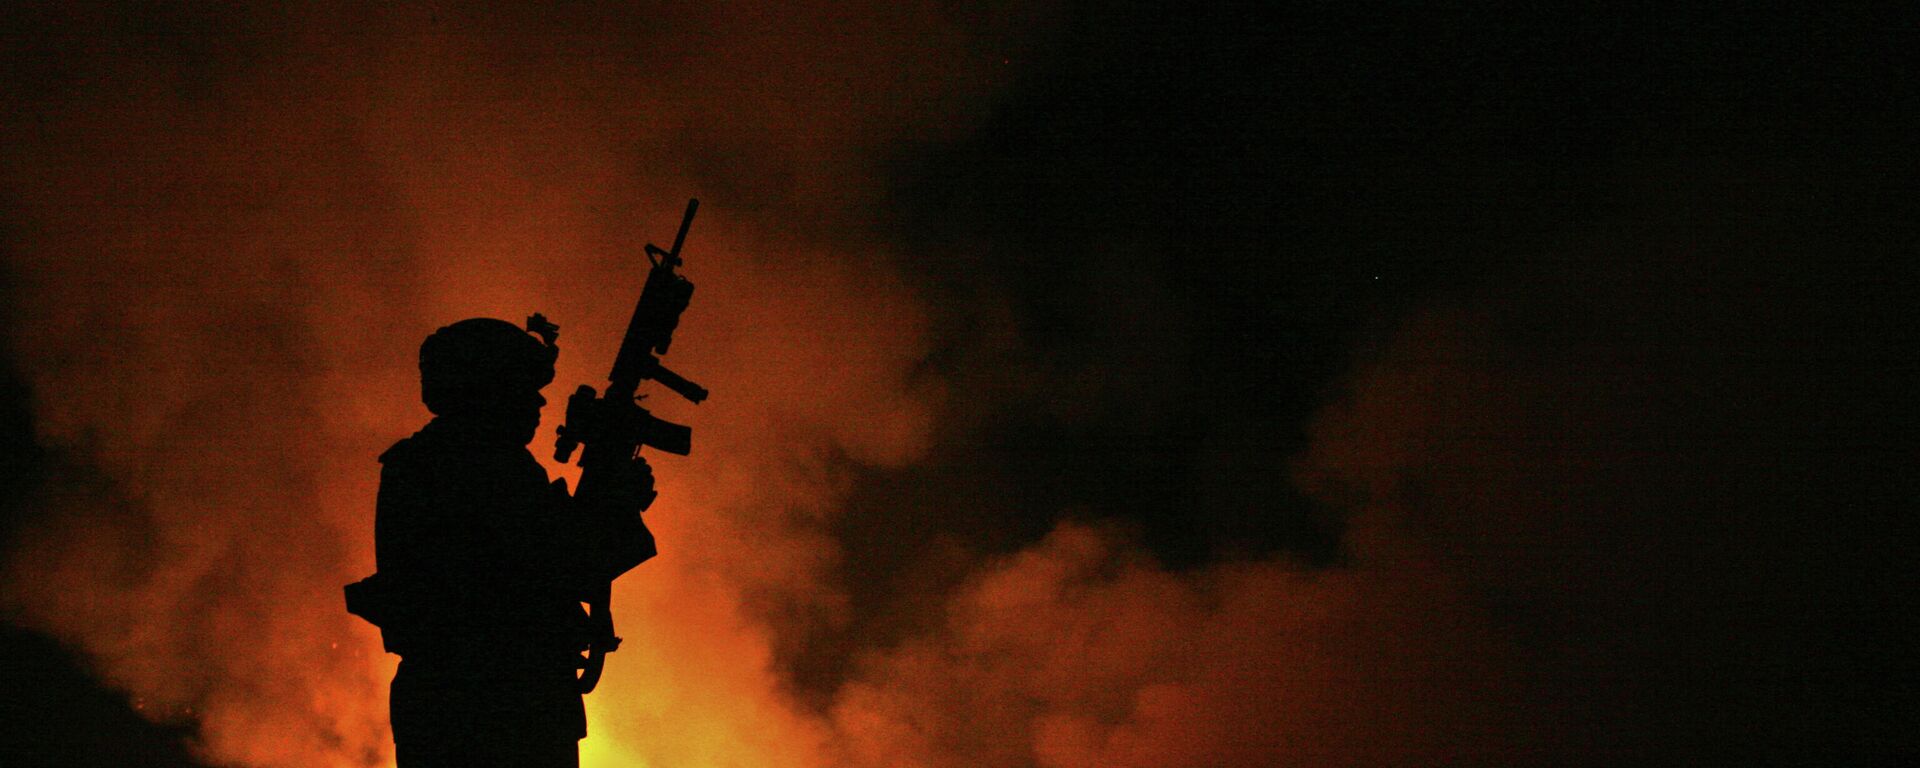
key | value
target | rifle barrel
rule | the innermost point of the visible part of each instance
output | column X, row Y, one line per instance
column 672, row 258
column 686, row 223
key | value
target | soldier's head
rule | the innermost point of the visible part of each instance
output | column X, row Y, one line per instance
column 489, row 369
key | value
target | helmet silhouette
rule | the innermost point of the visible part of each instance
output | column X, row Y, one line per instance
column 481, row 360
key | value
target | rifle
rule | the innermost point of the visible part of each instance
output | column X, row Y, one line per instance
column 613, row 427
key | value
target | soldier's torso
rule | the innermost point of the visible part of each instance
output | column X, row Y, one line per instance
column 490, row 638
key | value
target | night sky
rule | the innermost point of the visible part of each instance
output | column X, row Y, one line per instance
column 1361, row 385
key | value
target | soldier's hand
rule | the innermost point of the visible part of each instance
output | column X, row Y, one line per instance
column 630, row 486
column 625, row 541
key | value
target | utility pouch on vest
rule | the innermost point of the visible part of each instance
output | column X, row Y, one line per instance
column 375, row 599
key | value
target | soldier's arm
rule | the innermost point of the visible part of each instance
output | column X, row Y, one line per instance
column 613, row 508
column 412, row 556
column 544, row 537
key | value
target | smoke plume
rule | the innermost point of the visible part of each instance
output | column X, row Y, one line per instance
column 228, row 231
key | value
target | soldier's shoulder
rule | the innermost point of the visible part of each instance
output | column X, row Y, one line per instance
column 393, row 452
column 436, row 450
column 405, row 450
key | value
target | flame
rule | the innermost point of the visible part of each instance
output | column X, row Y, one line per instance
column 232, row 239
column 230, row 231
column 238, row 229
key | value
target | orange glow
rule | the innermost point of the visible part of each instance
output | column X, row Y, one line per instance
column 231, row 273
column 231, row 270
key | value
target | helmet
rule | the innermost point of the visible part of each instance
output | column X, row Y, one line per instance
column 482, row 360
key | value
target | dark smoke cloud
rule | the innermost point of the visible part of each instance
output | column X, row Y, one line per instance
column 1659, row 459
column 1149, row 266
column 1627, row 332
column 1600, row 511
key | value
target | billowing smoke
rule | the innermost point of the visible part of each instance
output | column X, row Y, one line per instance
column 1590, row 522
column 1657, row 460
column 1081, row 652
column 227, row 233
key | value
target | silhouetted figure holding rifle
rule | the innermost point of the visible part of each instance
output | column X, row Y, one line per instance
column 484, row 564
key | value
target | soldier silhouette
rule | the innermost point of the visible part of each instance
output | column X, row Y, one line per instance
column 484, row 564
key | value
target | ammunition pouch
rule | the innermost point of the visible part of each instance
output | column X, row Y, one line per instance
column 376, row 599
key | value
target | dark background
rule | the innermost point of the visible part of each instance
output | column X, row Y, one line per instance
column 1194, row 221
